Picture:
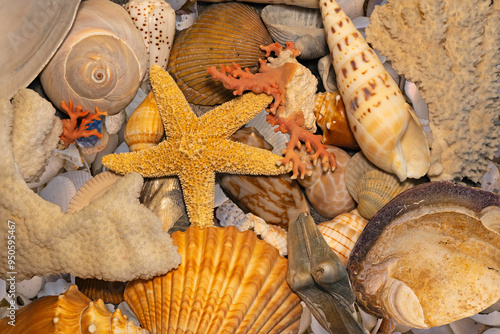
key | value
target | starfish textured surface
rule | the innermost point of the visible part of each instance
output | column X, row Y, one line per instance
column 197, row 148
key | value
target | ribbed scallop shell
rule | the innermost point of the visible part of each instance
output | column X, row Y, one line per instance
column 109, row 292
column 228, row 282
column 222, row 34
column 370, row 186
column 144, row 128
column 342, row 232
column 70, row 312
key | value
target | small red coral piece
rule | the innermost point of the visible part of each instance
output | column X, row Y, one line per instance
column 71, row 130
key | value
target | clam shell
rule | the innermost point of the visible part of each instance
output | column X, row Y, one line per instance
column 370, row 186
column 342, row 232
column 109, row 292
column 302, row 26
column 32, row 33
column 228, row 282
column 240, row 33
column 70, row 312
column 426, row 258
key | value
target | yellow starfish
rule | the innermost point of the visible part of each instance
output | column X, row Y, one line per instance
column 197, row 148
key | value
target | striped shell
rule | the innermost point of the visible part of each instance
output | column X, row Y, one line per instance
column 222, row 34
column 228, row 282
column 70, row 312
column 109, row 292
column 384, row 125
column 342, row 232
column 370, row 186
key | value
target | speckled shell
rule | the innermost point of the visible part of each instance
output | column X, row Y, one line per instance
column 228, row 282
column 144, row 128
column 430, row 256
column 222, row 34
column 326, row 191
column 331, row 118
column 276, row 199
column 370, row 186
column 109, row 292
column 342, row 232
column 70, row 312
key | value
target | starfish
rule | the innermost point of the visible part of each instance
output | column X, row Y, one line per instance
column 197, row 148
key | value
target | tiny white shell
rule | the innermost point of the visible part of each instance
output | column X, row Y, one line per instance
column 114, row 123
column 30, row 287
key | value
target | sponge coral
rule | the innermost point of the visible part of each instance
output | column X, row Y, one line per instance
column 114, row 238
column 450, row 50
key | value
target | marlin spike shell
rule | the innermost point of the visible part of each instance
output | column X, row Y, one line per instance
column 384, row 125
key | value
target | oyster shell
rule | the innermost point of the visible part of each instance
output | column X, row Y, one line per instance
column 426, row 258
column 228, row 282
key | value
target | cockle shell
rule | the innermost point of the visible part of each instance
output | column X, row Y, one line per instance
column 326, row 191
column 384, row 125
column 31, row 34
column 371, row 187
column 144, row 128
column 302, row 26
column 331, row 118
column 195, row 49
column 228, row 282
column 430, row 256
column 100, row 63
column 342, row 232
column 70, row 312
column 109, row 292
column 60, row 190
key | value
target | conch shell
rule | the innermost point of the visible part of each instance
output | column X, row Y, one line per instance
column 384, row 125
column 100, row 63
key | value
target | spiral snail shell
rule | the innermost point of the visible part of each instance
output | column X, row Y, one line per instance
column 100, row 63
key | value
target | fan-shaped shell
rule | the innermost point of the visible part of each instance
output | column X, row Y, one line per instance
column 222, row 34
column 302, row 26
column 109, row 292
column 60, row 190
column 70, row 312
column 370, row 186
column 100, row 63
column 228, row 282
column 427, row 258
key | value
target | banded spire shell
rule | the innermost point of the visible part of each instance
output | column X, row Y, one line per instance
column 384, row 125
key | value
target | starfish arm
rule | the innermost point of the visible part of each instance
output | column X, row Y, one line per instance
column 176, row 114
column 153, row 162
column 237, row 158
column 198, row 189
column 224, row 120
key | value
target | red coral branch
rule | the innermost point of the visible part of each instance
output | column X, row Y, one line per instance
column 293, row 125
column 71, row 130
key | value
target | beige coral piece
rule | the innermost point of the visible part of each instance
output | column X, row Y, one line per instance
column 196, row 148
column 450, row 50
column 109, row 239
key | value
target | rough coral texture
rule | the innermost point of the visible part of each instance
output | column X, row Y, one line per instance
column 35, row 133
column 450, row 50
column 115, row 238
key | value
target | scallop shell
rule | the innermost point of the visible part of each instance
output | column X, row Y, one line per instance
column 109, row 292
column 302, row 26
column 331, row 118
column 342, row 232
column 32, row 33
column 370, row 186
column 426, row 258
column 240, row 33
column 78, row 177
column 70, row 312
column 100, row 63
column 60, row 190
column 144, row 128
column 228, row 282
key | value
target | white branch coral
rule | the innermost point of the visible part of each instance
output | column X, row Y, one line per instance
column 114, row 238
column 450, row 50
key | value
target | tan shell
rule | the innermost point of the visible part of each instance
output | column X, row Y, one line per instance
column 109, row 292
column 100, row 63
column 144, row 128
column 342, row 232
column 222, row 34
column 427, row 258
column 70, row 312
column 370, row 186
column 228, row 282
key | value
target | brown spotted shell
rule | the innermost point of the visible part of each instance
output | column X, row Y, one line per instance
column 222, row 34
column 228, row 282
